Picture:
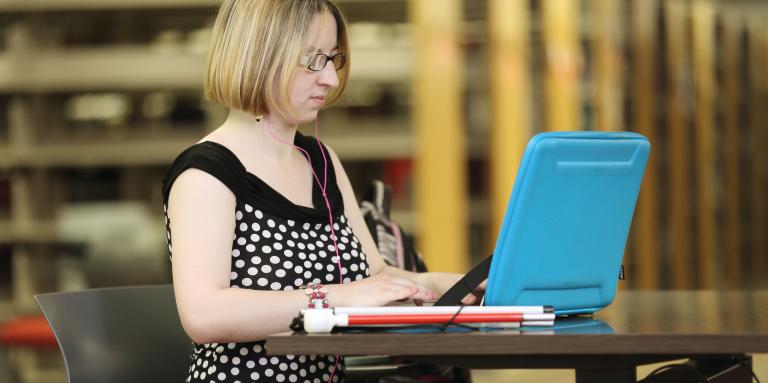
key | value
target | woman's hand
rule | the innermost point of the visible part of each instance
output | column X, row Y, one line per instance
column 437, row 282
column 442, row 282
column 378, row 290
column 475, row 296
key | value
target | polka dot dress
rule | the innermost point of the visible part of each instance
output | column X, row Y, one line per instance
column 277, row 246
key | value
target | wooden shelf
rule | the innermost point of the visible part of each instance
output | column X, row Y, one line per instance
column 17, row 6
column 372, row 146
column 157, row 151
column 33, row 232
column 124, row 68
column 381, row 64
column 126, row 153
column 478, row 214
column 141, row 68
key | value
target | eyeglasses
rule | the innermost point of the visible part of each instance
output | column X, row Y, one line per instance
column 318, row 61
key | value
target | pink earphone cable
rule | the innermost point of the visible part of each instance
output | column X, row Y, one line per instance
column 322, row 186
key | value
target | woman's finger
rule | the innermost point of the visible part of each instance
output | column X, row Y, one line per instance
column 425, row 295
column 472, row 298
column 397, row 293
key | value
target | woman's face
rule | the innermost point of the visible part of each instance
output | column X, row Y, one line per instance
column 308, row 89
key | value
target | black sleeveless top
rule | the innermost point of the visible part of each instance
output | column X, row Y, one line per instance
column 277, row 245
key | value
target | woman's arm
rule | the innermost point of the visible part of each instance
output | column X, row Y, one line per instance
column 201, row 213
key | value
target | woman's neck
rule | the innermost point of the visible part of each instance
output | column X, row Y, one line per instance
column 268, row 133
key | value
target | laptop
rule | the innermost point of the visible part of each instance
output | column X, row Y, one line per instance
column 564, row 232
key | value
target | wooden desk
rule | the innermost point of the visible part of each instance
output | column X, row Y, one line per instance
column 639, row 327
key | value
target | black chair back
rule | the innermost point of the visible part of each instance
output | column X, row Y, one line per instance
column 121, row 334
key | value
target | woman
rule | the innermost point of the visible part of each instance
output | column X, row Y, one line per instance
column 297, row 228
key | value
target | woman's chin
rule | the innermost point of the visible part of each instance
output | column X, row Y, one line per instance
column 299, row 118
column 306, row 118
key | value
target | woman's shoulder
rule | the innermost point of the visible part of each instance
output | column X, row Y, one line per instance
column 210, row 157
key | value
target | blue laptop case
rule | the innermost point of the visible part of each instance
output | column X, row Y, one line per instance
column 566, row 225
column 563, row 236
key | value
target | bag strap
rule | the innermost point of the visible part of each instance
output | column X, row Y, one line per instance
column 466, row 284
column 380, row 196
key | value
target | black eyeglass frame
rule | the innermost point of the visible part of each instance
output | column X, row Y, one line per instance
column 312, row 58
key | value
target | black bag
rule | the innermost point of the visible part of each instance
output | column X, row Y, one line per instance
column 398, row 250
column 395, row 245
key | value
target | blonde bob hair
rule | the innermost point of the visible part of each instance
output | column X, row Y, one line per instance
column 256, row 45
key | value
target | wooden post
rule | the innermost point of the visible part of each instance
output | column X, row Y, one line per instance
column 730, row 55
column 509, row 34
column 758, row 61
column 676, row 21
column 607, row 69
column 645, row 229
column 608, row 64
column 561, row 42
column 703, row 36
column 440, row 173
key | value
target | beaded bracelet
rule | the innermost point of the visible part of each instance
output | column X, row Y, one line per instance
column 316, row 293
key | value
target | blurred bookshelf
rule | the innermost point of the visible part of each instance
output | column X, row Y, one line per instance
column 98, row 97
column 89, row 88
column 89, row 85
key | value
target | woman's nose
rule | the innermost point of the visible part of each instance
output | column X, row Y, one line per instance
column 328, row 76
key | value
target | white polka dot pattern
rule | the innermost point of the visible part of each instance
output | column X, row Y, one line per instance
column 270, row 260
column 273, row 253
